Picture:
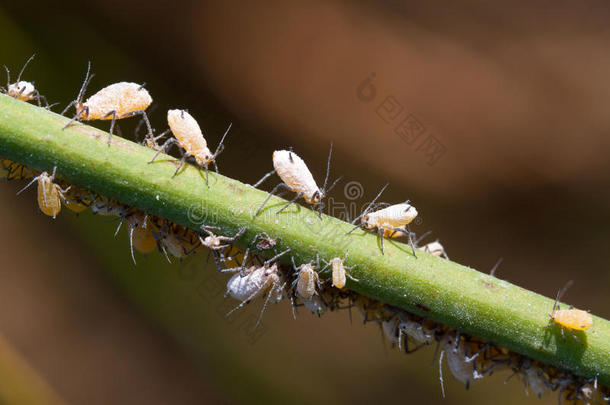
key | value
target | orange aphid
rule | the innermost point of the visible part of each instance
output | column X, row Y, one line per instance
column 114, row 102
column 77, row 200
column 570, row 319
column 50, row 194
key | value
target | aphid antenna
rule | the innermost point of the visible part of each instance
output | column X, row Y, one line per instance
column 440, row 372
column 133, row 257
column 560, row 294
column 81, row 93
column 8, row 78
column 24, row 66
column 474, row 356
column 366, row 210
column 274, row 258
column 241, row 267
column 495, row 267
column 220, row 146
column 422, row 237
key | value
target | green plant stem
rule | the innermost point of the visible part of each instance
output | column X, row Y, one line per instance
column 446, row 292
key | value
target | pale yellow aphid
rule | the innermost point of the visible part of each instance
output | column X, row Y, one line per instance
column 141, row 235
column 189, row 137
column 114, row 102
column 297, row 178
column 570, row 319
column 22, row 90
column 390, row 222
column 339, row 272
column 50, row 195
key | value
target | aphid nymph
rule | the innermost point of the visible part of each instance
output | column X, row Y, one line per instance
column 570, row 319
column 339, row 271
column 22, row 90
column 297, row 178
column 50, row 195
column 189, row 137
column 114, row 102
column 390, row 222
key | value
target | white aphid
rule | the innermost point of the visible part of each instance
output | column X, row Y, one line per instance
column 389, row 222
column 21, row 89
column 456, row 359
column 254, row 281
column 297, row 178
column 434, row 248
column 250, row 282
column 294, row 172
column 117, row 101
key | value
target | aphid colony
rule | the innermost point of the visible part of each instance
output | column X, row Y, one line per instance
column 468, row 359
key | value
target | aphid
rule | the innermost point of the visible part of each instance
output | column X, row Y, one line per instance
column 435, row 249
column 189, row 137
column 77, row 200
column 250, row 282
column 22, row 90
column 215, row 242
column 141, row 235
column 297, row 178
column 266, row 242
column 106, row 207
column 390, row 222
column 570, row 319
column 456, row 359
column 50, row 194
column 307, row 280
column 114, row 102
column 390, row 330
column 339, row 271
column 533, row 379
column 14, row 171
column 416, row 332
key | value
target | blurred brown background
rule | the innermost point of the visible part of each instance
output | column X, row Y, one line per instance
column 514, row 95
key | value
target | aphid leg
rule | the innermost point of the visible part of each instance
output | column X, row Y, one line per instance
column 220, row 147
column 470, row 359
column 260, row 317
column 495, row 267
column 291, row 202
column 169, row 142
column 274, row 258
column 440, row 372
column 239, row 268
column 144, row 117
column 380, row 232
column 409, row 234
column 574, row 335
column 281, row 185
column 8, row 78
column 65, row 110
column 133, row 257
column 182, row 161
column 34, row 180
column 112, row 122
column 265, row 177
column 77, row 116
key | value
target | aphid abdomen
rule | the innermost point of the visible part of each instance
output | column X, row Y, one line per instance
column 456, row 360
column 416, row 332
column 294, row 173
column 48, row 196
column 122, row 98
column 338, row 273
column 24, row 91
column 249, row 286
column 573, row 319
column 306, row 283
